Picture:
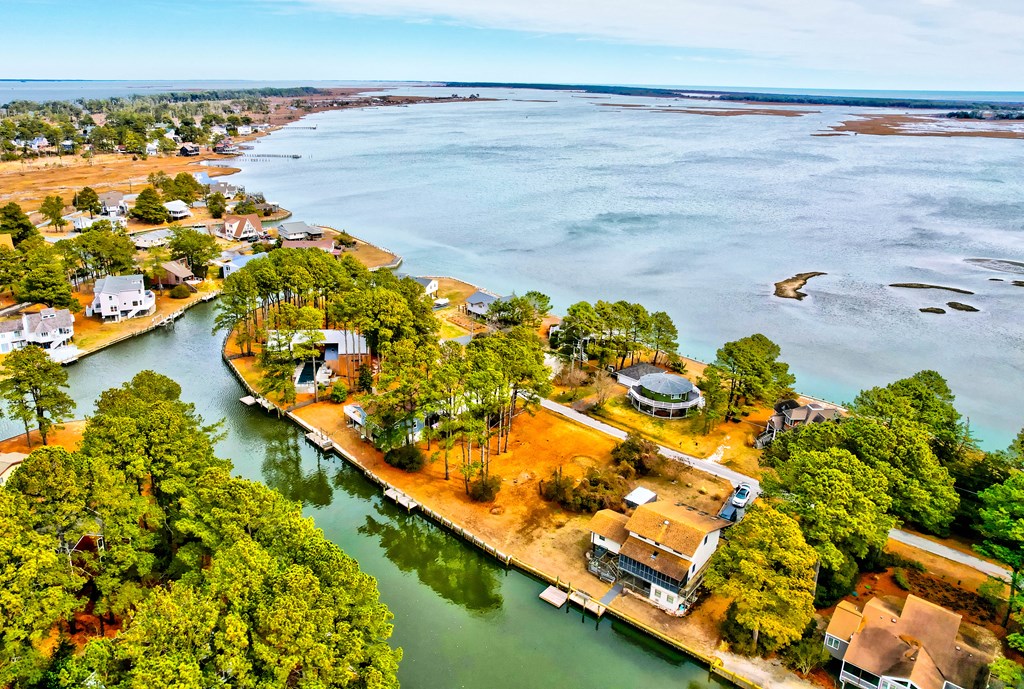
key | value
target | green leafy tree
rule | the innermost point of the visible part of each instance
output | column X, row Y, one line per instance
column 195, row 247
column 32, row 388
column 716, row 397
column 217, row 204
column 840, row 503
column 14, row 222
column 663, row 335
column 47, row 284
column 88, row 200
column 1002, row 526
column 53, row 210
column 767, row 569
column 245, row 207
column 149, row 208
column 753, row 372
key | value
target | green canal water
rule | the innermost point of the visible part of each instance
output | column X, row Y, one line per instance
column 462, row 620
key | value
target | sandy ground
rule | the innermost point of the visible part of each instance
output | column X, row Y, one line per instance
column 790, row 287
column 69, row 437
column 911, row 125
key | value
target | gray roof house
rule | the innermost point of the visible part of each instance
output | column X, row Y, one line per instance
column 631, row 375
column 899, row 644
column 665, row 395
column 50, row 329
column 298, row 230
column 429, row 285
column 790, row 414
column 118, row 297
column 479, row 302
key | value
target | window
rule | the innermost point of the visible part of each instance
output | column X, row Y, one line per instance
column 657, row 593
column 832, row 642
column 670, row 599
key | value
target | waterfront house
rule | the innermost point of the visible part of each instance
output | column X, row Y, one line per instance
column 381, row 438
column 188, row 150
column 480, row 302
column 244, row 130
column 631, row 375
column 896, row 645
column 177, row 210
column 790, row 414
column 228, row 190
column 322, row 244
column 113, row 203
column 429, row 286
column 660, row 552
column 119, row 297
column 148, row 240
column 237, row 263
column 242, row 227
column 298, row 230
column 339, row 352
column 177, row 273
column 50, row 329
column 82, row 222
column 665, row 395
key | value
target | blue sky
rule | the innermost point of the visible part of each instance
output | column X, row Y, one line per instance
column 871, row 44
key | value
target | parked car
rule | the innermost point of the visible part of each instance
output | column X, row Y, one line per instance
column 742, row 496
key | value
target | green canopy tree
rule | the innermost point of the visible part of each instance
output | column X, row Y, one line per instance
column 840, row 503
column 716, row 397
column 87, row 200
column 52, row 209
column 753, row 372
column 32, row 389
column 47, row 284
column 663, row 335
column 767, row 569
column 1002, row 526
column 195, row 247
column 216, row 204
column 149, row 208
column 14, row 222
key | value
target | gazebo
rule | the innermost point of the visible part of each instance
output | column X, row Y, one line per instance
column 665, row 395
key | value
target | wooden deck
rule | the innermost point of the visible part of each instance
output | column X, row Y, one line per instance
column 554, row 596
column 248, row 400
column 401, row 498
column 587, row 603
column 321, row 440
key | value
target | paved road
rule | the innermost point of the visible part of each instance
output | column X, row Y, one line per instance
column 934, row 548
column 735, row 478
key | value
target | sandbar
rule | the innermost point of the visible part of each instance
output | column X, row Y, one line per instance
column 922, row 285
column 790, row 288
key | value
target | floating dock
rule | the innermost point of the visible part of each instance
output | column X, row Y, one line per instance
column 401, row 498
column 554, row 596
column 248, row 400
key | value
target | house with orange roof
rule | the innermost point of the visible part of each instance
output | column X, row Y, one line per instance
column 659, row 552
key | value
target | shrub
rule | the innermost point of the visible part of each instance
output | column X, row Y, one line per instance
column 805, row 654
column 899, row 575
column 993, row 591
column 596, row 491
column 179, row 292
column 834, row 584
column 484, row 489
column 339, row 392
column 407, row 458
column 635, row 456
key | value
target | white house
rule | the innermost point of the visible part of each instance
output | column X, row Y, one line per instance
column 118, row 297
column 659, row 552
column 429, row 285
column 148, row 240
column 298, row 231
column 244, row 130
column 113, row 203
column 82, row 222
column 242, row 227
column 152, row 148
column 177, row 210
column 50, row 329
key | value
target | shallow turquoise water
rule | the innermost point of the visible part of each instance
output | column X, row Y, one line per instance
column 697, row 216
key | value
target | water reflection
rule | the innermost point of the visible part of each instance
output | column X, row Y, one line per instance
column 452, row 570
column 352, row 481
column 282, row 470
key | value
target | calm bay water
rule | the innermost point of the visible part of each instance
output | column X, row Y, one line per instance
column 462, row 620
column 697, row 216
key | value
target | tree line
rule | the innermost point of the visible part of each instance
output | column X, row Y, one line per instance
column 206, row 578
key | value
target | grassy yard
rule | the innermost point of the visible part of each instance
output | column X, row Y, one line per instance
column 729, row 443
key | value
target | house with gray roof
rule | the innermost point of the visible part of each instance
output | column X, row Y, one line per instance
column 119, row 297
column 790, row 414
column 665, row 395
column 298, row 230
column 49, row 329
column 177, row 210
column 480, row 302
column 148, row 240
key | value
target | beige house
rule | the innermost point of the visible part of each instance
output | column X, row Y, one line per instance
column 911, row 645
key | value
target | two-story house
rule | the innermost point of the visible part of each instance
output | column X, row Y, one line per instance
column 242, row 227
column 911, row 645
column 659, row 552
column 119, row 297
column 50, row 329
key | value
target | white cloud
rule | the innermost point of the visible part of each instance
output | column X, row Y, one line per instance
column 932, row 41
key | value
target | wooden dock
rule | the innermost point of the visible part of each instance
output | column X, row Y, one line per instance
column 321, row 440
column 587, row 603
column 555, row 596
column 248, row 400
column 401, row 498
